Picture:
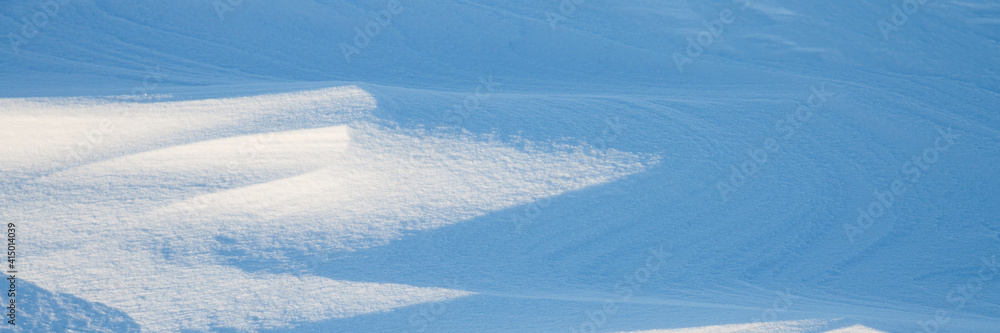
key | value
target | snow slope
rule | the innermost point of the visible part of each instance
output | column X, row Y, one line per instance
column 509, row 166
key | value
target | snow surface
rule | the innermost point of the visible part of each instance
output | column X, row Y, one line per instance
column 502, row 166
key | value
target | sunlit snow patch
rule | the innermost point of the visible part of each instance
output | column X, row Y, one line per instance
column 789, row 326
column 136, row 222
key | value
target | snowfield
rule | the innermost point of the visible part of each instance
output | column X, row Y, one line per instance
column 501, row 166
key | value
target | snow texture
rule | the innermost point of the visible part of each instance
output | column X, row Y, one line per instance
column 502, row 166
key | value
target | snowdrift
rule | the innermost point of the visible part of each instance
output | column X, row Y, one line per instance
column 515, row 166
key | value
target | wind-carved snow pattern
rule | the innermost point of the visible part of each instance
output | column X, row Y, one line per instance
column 788, row 326
column 143, row 212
